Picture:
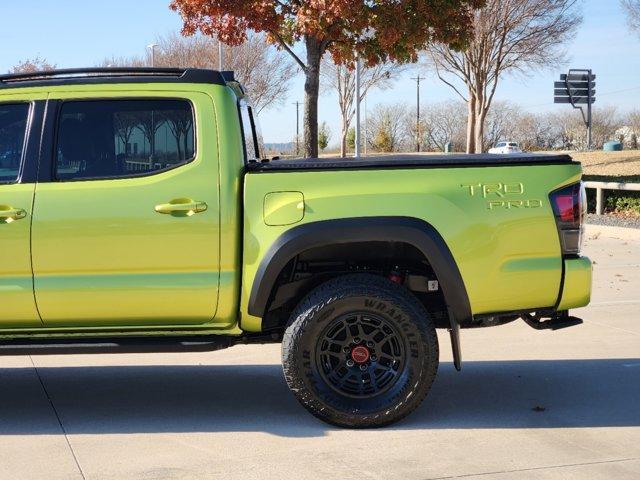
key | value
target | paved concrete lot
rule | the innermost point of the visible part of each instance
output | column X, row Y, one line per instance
column 527, row 404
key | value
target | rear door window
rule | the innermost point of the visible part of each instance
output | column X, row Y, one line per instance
column 123, row 138
column 13, row 131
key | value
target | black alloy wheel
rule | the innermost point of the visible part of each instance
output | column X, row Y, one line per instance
column 360, row 351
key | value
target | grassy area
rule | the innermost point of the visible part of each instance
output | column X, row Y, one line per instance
column 610, row 164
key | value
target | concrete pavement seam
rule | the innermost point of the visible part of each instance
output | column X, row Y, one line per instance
column 593, row 322
column 530, row 469
column 55, row 412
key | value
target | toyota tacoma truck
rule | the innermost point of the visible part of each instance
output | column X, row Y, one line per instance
column 138, row 213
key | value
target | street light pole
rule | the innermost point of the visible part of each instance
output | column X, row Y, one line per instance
column 152, row 47
column 297, row 104
column 366, row 124
column 417, row 79
column 357, row 139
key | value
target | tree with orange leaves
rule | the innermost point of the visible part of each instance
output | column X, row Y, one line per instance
column 376, row 30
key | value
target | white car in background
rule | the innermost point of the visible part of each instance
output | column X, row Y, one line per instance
column 505, row 148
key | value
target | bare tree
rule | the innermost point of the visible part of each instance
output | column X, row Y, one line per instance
column 605, row 122
column 569, row 129
column 441, row 123
column 148, row 123
column 500, row 124
column 534, row 132
column 509, row 36
column 125, row 125
column 632, row 8
column 342, row 81
column 632, row 124
column 36, row 64
column 264, row 71
column 386, row 132
column 561, row 125
column 180, row 123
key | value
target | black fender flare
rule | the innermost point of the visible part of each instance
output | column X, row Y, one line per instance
column 412, row 231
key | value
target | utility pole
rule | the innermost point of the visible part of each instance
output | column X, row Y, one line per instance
column 297, row 104
column 417, row 79
column 152, row 47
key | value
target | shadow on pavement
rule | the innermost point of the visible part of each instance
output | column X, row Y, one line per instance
column 140, row 399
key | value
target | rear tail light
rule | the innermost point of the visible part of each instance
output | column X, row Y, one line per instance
column 569, row 206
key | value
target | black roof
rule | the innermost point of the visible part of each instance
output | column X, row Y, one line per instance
column 82, row 76
column 408, row 161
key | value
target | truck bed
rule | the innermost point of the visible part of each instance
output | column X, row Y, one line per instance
column 408, row 161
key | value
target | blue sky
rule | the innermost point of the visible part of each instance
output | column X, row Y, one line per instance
column 73, row 33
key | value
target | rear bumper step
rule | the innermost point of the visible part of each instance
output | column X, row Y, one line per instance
column 554, row 321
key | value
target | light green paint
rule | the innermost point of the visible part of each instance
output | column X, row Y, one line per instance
column 105, row 262
column 283, row 208
column 509, row 259
column 577, row 283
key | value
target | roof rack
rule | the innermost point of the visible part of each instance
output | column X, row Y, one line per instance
column 112, row 75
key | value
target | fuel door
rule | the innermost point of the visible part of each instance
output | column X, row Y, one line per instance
column 283, row 208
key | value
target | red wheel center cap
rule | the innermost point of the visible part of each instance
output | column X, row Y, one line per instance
column 360, row 354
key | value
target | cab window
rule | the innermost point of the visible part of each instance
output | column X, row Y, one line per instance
column 123, row 138
column 13, row 130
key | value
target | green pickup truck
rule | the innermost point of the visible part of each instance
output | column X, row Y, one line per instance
column 137, row 213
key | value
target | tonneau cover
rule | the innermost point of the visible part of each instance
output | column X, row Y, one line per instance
column 408, row 161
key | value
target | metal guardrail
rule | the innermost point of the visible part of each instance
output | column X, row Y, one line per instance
column 600, row 186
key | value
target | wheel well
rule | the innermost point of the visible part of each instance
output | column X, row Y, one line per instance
column 398, row 261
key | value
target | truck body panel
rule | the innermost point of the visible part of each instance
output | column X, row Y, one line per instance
column 497, row 222
column 85, row 233
column 194, row 275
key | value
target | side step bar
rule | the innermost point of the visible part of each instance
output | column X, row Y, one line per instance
column 149, row 344
column 554, row 321
column 113, row 345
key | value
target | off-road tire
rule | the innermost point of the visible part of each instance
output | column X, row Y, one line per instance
column 306, row 359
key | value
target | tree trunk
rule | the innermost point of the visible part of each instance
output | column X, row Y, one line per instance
column 311, row 91
column 343, row 137
column 471, row 124
column 481, row 110
column 481, row 116
column 343, row 144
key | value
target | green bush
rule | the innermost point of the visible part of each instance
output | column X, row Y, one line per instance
column 615, row 201
column 626, row 204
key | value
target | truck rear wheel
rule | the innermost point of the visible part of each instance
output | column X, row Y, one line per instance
column 360, row 351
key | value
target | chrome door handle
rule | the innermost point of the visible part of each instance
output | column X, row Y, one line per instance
column 184, row 206
column 10, row 213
